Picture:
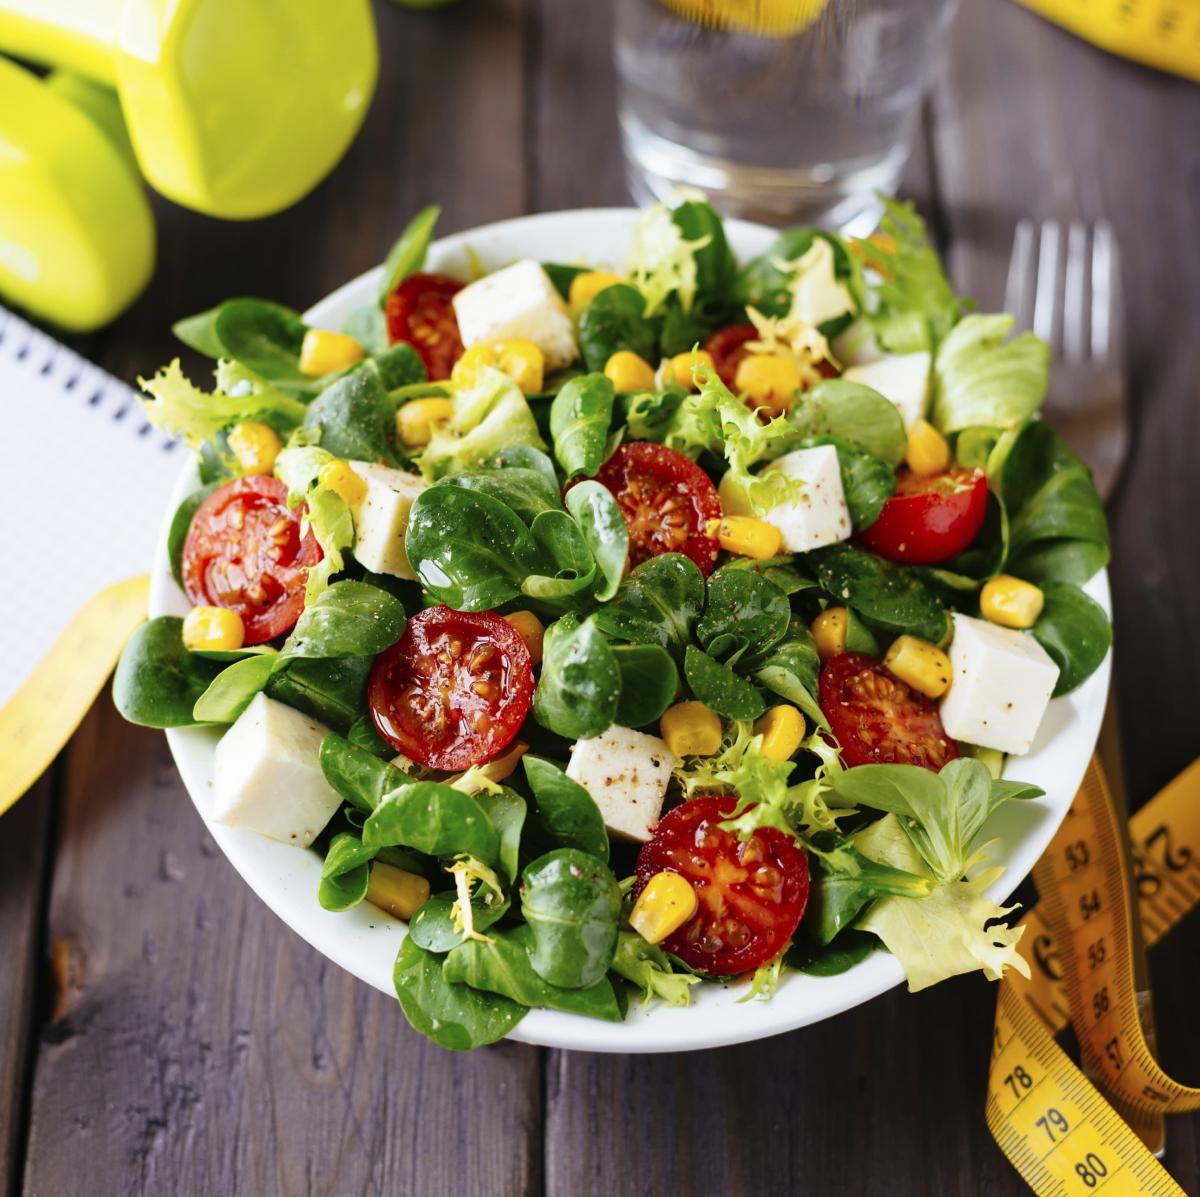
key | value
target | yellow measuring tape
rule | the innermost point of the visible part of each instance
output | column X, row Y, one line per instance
column 1047, row 1116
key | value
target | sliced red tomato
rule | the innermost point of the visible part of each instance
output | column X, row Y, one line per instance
column 453, row 691
column 243, row 551
column 751, row 893
column 419, row 311
column 728, row 346
column 667, row 501
column 880, row 720
column 929, row 519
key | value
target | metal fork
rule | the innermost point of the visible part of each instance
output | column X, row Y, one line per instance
column 1073, row 301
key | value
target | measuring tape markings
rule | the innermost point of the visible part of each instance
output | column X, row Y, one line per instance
column 1046, row 1115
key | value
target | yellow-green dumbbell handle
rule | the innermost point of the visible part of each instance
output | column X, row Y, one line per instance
column 236, row 108
column 76, row 233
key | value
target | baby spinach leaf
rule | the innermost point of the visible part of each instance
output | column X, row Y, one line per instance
column 469, row 550
column 264, row 337
column 570, row 901
column 362, row 735
column 615, row 320
column 716, row 267
column 566, row 812
column 330, row 690
column 780, row 570
column 181, row 523
column 525, row 457
column 580, row 682
column 853, row 412
column 1059, row 561
column 407, row 255
column 867, row 481
column 657, row 604
column 1074, row 630
column 851, row 947
column 349, row 619
column 501, row 965
column 649, row 683
column 791, row 669
column 354, row 418
column 234, row 688
column 604, row 530
column 158, row 682
column 744, row 612
column 650, row 415
column 344, row 891
column 402, row 372
column 432, row 927
column 525, row 491
column 718, row 687
column 507, row 810
column 989, row 551
column 562, row 276
column 580, row 415
column 884, row 593
column 432, row 818
column 454, row 1016
column 566, row 551
column 682, row 331
column 368, row 326
column 357, row 775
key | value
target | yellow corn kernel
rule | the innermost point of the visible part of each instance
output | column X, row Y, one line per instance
column 922, row 665
column 680, row 367
column 396, row 890
column 747, row 536
column 782, row 728
column 255, row 446
column 212, row 629
column 691, row 729
column 340, row 478
column 524, row 363
column 928, row 451
column 415, row 419
column 667, row 902
column 470, row 361
column 1011, row 602
column 628, row 372
column 586, row 286
column 531, row 631
column 829, row 632
column 322, row 352
column 769, row 380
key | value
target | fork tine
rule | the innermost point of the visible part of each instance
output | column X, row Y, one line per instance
column 1045, row 303
column 1018, row 292
column 1105, row 291
column 1075, row 312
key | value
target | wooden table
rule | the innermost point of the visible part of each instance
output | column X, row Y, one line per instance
column 162, row 1033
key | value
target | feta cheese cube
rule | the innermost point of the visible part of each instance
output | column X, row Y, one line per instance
column 381, row 519
column 903, row 379
column 1002, row 682
column 626, row 772
column 819, row 516
column 267, row 774
column 518, row 301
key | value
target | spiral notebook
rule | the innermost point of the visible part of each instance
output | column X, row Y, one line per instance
column 84, row 483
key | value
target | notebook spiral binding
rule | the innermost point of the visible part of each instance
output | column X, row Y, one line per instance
column 38, row 353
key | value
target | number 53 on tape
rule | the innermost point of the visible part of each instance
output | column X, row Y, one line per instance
column 1048, row 1117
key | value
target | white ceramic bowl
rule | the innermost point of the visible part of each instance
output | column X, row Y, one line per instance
column 365, row 941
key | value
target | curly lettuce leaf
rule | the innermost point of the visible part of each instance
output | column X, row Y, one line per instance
column 662, row 261
column 649, row 967
column 328, row 516
column 946, row 933
column 980, row 379
column 817, row 295
column 179, row 407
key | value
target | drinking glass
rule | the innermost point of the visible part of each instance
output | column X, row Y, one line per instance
column 799, row 128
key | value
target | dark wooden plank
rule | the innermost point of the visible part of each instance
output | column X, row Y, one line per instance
column 23, row 836
column 205, row 1049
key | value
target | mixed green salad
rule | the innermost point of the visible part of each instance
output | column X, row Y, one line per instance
column 627, row 628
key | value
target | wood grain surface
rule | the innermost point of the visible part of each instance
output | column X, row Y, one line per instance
column 162, row 1033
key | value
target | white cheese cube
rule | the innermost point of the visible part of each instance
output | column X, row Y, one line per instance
column 819, row 515
column 1001, row 683
column 626, row 772
column 902, row 379
column 381, row 519
column 518, row 301
column 267, row 774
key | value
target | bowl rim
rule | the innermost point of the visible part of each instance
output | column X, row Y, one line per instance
column 364, row 941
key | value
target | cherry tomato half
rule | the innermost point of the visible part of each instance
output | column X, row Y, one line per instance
column 880, row 720
column 728, row 346
column 243, row 551
column 929, row 519
column 419, row 311
column 453, row 691
column 667, row 501
column 752, row 893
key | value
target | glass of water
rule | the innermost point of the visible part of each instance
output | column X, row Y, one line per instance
column 803, row 128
